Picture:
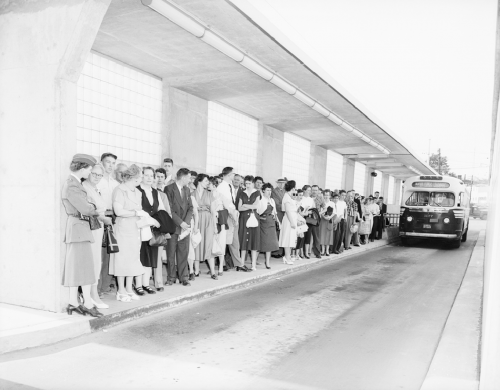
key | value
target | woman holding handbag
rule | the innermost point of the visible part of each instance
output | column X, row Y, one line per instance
column 326, row 224
column 308, row 205
column 365, row 227
column 151, row 203
column 79, row 267
column 249, row 232
column 288, row 236
column 268, row 219
column 206, row 209
column 94, row 196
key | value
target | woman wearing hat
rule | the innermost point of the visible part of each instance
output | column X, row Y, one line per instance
column 79, row 268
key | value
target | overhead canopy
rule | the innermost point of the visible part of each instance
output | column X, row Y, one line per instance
column 137, row 35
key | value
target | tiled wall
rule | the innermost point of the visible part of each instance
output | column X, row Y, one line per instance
column 359, row 178
column 296, row 156
column 334, row 166
column 232, row 140
column 119, row 111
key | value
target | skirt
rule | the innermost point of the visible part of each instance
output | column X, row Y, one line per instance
column 149, row 255
column 127, row 261
column 97, row 251
column 325, row 232
column 79, row 267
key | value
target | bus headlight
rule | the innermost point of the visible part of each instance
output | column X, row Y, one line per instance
column 409, row 219
column 446, row 220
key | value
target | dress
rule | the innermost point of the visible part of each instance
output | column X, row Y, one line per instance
column 127, row 261
column 268, row 236
column 149, row 254
column 100, row 204
column 288, row 236
column 249, row 237
column 207, row 227
column 326, row 228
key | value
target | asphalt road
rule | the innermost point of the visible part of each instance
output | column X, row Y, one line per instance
column 370, row 321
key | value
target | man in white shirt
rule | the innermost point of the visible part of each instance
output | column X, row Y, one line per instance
column 227, row 190
column 106, row 187
column 168, row 165
column 341, row 211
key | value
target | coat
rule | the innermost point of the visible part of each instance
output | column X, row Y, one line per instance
column 74, row 199
column 180, row 206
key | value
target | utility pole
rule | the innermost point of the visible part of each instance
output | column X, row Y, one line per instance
column 439, row 160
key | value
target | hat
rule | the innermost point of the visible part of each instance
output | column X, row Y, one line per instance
column 85, row 158
column 284, row 180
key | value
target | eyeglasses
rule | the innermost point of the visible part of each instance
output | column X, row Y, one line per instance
column 96, row 175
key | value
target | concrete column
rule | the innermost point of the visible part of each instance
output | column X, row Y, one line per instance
column 317, row 166
column 397, row 191
column 490, row 340
column 369, row 181
column 44, row 47
column 272, row 154
column 348, row 174
column 385, row 187
column 184, row 134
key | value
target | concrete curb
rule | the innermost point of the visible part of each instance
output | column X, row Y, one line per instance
column 34, row 328
column 110, row 320
column 455, row 365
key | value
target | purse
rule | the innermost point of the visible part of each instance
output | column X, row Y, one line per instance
column 354, row 228
column 159, row 238
column 216, row 246
column 93, row 221
column 112, row 243
column 252, row 221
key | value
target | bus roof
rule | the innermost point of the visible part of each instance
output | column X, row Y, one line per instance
column 434, row 182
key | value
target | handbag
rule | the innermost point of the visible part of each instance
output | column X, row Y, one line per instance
column 354, row 228
column 252, row 221
column 112, row 243
column 93, row 221
column 159, row 238
column 195, row 239
column 364, row 227
column 216, row 246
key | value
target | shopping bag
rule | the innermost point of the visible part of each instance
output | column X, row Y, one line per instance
column 112, row 243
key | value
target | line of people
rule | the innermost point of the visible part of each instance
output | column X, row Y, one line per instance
column 219, row 220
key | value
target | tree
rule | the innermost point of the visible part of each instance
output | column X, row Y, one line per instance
column 440, row 164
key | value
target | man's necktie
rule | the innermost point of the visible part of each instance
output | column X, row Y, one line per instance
column 232, row 197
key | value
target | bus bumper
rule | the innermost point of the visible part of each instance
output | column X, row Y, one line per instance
column 429, row 235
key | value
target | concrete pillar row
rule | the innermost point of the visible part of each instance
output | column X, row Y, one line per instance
column 348, row 174
column 385, row 187
column 397, row 191
column 44, row 47
column 272, row 145
column 317, row 166
column 369, row 181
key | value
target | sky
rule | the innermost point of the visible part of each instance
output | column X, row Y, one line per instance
column 425, row 68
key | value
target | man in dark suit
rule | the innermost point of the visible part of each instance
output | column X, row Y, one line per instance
column 382, row 219
column 182, row 210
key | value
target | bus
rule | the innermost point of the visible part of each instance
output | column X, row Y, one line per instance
column 434, row 206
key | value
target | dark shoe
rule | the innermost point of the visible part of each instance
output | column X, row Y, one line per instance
column 244, row 269
column 197, row 275
column 191, row 277
column 139, row 290
column 318, row 256
column 214, row 277
column 306, row 257
column 149, row 290
column 336, row 252
column 348, row 248
column 93, row 312
column 225, row 268
column 186, row 283
column 356, row 244
column 160, row 289
column 70, row 309
column 169, row 283
column 268, row 267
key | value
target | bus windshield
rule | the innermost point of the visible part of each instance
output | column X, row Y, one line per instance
column 425, row 198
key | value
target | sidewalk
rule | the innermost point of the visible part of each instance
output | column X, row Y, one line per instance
column 455, row 365
column 25, row 328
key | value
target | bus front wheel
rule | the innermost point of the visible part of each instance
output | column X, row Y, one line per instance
column 464, row 236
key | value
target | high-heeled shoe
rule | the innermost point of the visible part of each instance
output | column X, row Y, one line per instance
column 101, row 305
column 268, row 267
column 123, row 297
column 285, row 261
column 307, row 257
column 133, row 296
column 93, row 312
column 70, row 309
column 214, row 277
